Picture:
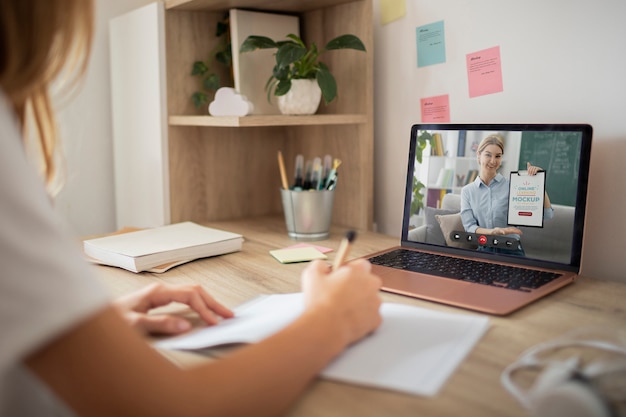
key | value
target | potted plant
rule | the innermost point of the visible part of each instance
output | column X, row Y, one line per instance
column 295, row 61
column 209, row 78
column 417, row 203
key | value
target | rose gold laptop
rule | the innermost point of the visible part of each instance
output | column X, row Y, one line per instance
column 438, row 260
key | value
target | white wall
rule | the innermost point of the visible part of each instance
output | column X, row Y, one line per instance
column 87, row 199
column 562, row 61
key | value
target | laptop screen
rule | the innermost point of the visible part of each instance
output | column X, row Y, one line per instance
column 499, row 190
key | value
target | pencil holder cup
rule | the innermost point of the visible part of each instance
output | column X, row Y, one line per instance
column 308, row 213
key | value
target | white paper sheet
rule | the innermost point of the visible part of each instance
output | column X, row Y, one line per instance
column 415, row 350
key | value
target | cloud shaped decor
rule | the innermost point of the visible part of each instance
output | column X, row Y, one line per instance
column 228, row 102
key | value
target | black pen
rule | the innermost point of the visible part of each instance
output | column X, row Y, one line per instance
column 298, row 182
column 307, row 175
column 344, row 248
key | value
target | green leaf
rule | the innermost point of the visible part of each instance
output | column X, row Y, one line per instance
column 282, row 88
column 199, row 98
column 269, row 85
column 345, row 42
column 280, row 72
column 199, row 68
column 327, row 83
column 296, row 39
column 289, row 53
column 253, row 42
column 222, row 28
column 212, row 82
column 224, row 57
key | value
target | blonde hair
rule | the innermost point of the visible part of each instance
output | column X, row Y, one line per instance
column 491, row 140
column 39, row 41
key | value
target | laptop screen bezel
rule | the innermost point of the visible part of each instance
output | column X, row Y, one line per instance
column 586, row 131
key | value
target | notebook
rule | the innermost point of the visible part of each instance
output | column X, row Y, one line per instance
column 476, row 270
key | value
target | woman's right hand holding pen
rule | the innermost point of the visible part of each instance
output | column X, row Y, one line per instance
column 349, row 295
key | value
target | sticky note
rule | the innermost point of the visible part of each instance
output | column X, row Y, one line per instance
column 391, row 10
column 431, row 44
column 436, row 109
column 484, row 71
column 322, row 249
column 286, row 256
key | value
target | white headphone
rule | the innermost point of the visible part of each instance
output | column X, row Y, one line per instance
column 565, row 387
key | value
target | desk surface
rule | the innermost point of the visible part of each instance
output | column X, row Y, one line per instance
column 475, row 385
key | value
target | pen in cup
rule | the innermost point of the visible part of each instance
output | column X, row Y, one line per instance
column 316, row 173
column 328, row 162
column 344, row 249
column 331, row 182
column 298, row 181
column 308, row 172
column 283, row 174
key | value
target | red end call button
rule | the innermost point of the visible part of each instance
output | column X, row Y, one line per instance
column 482, row 239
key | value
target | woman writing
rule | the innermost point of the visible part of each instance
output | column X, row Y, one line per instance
column 485, row 202
column 68, row 350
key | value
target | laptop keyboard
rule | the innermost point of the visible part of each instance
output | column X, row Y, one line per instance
column 510, row 277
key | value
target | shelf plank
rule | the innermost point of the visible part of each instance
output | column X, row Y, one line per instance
column 268, row 120
column 277, row 5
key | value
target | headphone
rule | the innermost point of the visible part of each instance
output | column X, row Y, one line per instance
column 567, row 387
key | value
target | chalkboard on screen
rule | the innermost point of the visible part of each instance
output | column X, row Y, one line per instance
column 558, row 153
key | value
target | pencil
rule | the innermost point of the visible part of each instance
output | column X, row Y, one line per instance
column 344, row 248
column 283, row 174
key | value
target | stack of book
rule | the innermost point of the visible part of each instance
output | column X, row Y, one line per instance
column 161, row 248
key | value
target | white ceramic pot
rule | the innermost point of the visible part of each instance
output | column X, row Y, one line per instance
column 302, row 98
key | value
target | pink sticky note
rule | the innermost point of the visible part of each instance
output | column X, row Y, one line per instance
column 435, row 109
column 322, row 249
column 484, row 72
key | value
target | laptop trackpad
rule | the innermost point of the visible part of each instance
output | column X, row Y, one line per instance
column 420, row 285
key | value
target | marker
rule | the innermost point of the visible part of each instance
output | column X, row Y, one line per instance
column 328, row 162
column 331, row 181
column 281, row 167
column 307, row 175
column 344, row 248
column 298, row 182
column 320, row 175
column 316, row 173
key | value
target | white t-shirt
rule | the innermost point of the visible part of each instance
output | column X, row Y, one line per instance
column 45, row 285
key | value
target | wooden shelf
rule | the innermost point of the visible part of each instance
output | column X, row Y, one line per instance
column 268, row 120
column 276, row 5
column 203, row 168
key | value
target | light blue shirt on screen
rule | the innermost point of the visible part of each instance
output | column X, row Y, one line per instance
column 487, row 205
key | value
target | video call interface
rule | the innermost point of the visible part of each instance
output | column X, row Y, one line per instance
column 449, row 162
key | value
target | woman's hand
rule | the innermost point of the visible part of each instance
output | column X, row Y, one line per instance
column 506, row 231
column 350, row 293
column 532, row 170
column 136, row 306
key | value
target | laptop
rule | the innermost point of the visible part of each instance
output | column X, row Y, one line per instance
column 491, row 273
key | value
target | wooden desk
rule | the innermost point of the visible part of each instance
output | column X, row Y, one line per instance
column 473, row 389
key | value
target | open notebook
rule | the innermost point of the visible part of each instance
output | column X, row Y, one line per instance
column 496, row 274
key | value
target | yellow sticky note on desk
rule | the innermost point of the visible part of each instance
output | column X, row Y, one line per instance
column 291, row 255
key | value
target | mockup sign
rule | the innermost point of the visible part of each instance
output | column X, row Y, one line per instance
column 526, row 197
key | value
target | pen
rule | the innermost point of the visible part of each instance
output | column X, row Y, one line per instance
column 297, row 183
column 328, row 161
column 331, row 182
column 316, row 173
column 344, row 248
column 283, row 174
column 307, row 175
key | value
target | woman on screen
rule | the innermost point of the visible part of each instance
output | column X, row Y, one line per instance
column 484, row 202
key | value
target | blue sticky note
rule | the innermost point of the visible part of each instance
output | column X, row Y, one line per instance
column 431, row 44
